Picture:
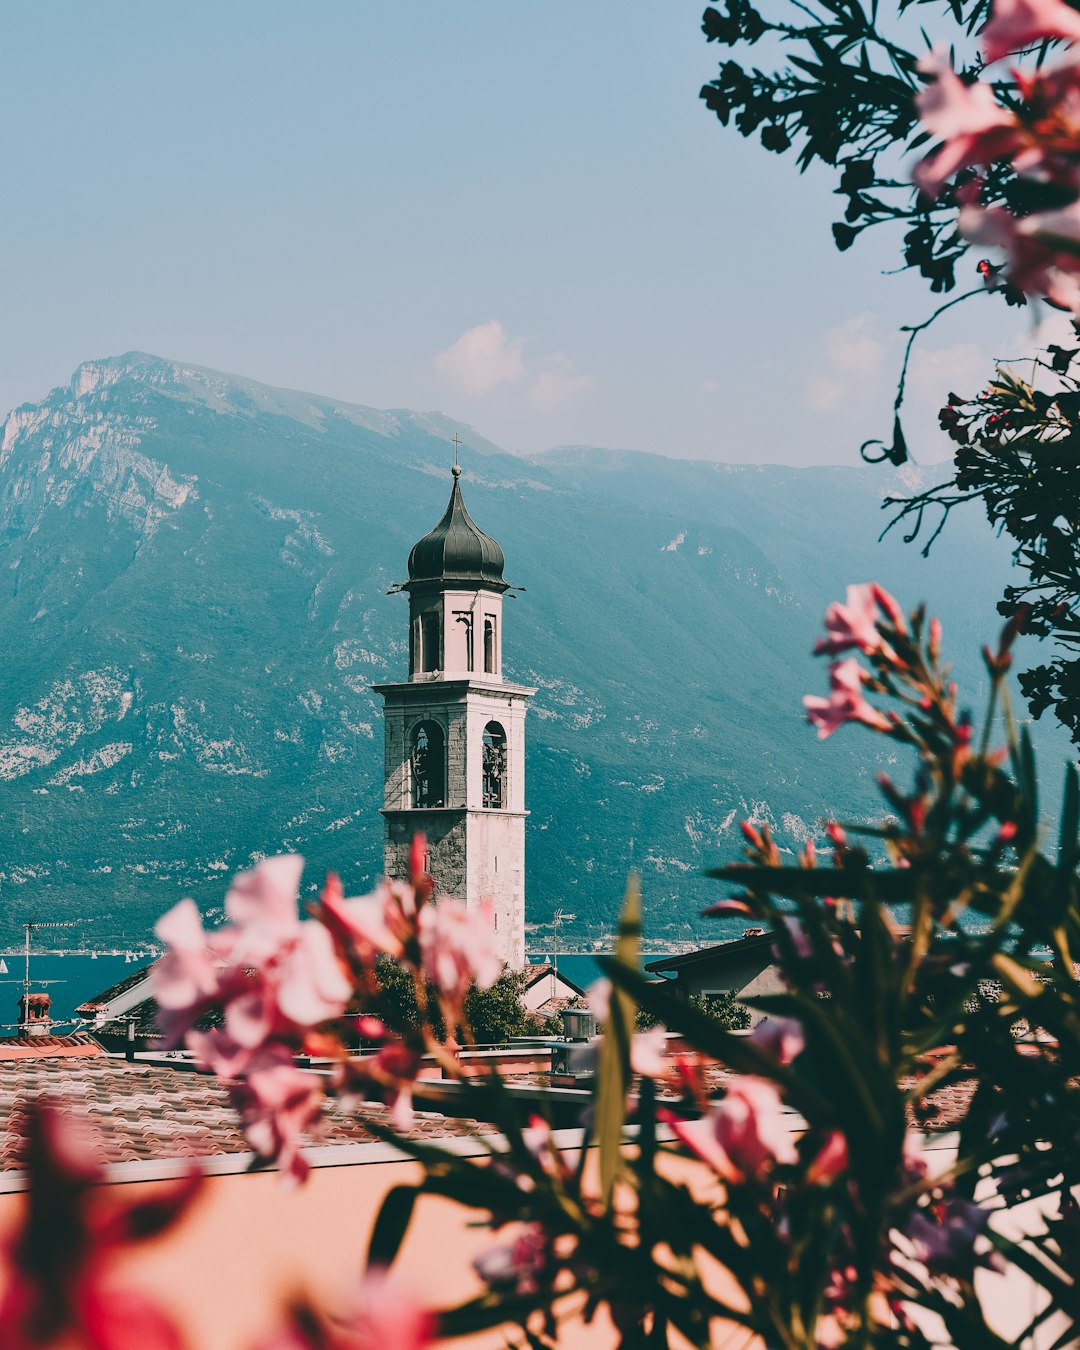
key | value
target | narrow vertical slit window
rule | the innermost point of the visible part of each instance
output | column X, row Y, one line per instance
column 489, row 645
column 430, row 642
column 465, row 619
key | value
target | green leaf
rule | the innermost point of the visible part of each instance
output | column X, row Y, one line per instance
column 891, row 886
column 391, row 1225
column 1070, row 826
column 706, row 1034
column 613, row 1078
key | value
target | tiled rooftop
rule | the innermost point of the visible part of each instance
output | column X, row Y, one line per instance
column 77, row 1044
column 153, row 1112
column 943, row 1111
column 130, row 980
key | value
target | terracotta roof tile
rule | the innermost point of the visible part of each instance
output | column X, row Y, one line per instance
column 155, row 1112
column 130, row 980
column 78, row 1044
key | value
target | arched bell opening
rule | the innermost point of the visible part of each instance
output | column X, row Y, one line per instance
column 494, row 766
column 428, row 761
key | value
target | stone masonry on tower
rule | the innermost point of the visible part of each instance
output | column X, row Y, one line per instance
column 455, row 732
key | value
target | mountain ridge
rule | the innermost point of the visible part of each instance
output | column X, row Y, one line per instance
column 193, row 580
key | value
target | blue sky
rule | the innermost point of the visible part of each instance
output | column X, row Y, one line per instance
column 520, row 215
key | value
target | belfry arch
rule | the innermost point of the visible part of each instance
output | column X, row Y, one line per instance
column 427, row 759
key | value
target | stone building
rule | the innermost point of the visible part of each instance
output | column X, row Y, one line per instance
column 455, row 731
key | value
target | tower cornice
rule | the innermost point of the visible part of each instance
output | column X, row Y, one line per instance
column 425, row 691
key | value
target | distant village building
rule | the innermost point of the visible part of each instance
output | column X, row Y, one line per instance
column 548, row 991
column 745, row 968
column 455, row 732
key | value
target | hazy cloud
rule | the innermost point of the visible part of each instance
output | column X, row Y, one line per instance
column 556, row 382
column 935, row 373
column 482, row 358
column 487, row 356
column 852, row 365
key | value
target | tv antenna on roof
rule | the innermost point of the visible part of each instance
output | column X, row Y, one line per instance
column 63, row 923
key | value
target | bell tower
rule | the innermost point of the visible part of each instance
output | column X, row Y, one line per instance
column 455, row 731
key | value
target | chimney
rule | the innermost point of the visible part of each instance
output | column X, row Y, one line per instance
column 34, row 1019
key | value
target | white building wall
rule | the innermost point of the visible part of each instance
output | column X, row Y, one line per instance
column 495, row 868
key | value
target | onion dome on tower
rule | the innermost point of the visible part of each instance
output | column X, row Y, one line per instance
column 456, row 551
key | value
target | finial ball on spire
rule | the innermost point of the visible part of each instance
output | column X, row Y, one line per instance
column 456, row 550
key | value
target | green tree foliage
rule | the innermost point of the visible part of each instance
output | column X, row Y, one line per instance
column 722, row 1007
column 1018, row 453
column 840, row 94
column 494, row 1015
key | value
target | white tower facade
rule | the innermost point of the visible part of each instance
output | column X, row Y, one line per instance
column 455, row 731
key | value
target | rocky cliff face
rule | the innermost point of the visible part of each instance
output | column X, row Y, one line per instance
column 193, row 578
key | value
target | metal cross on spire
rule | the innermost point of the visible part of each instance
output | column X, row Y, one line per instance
column 456, row 441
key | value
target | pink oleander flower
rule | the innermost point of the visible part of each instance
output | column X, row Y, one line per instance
column 831, row 1160
column 1037, row 264
column 967, row 118
column 385, row 1317
column 373, row 925
column 845, row 702
column 727, row 908
column 278, row 1104
column 1015, row 24
column 745, row 1135
column 781, row 1037
column 943, row 1239
column 388, row 1077
column 913, row 1162
column 298, row 986
column 62, row 1268
column 457, row 947
column 262, row 904
column 519, row 1264
column 275, row 975
column 854, row 623
column 598, row 997
column 537, row 1138
column 648, row 1052
column 276, row 978
column 800, row 940
column 188, row 978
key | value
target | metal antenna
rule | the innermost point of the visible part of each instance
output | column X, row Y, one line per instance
column 29, row 927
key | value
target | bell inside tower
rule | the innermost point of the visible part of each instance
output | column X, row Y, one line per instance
column 494, row 766
column 428, row 762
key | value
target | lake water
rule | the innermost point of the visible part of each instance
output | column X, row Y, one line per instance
column 580, row 967
column 73, row 978
column 70, row 979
